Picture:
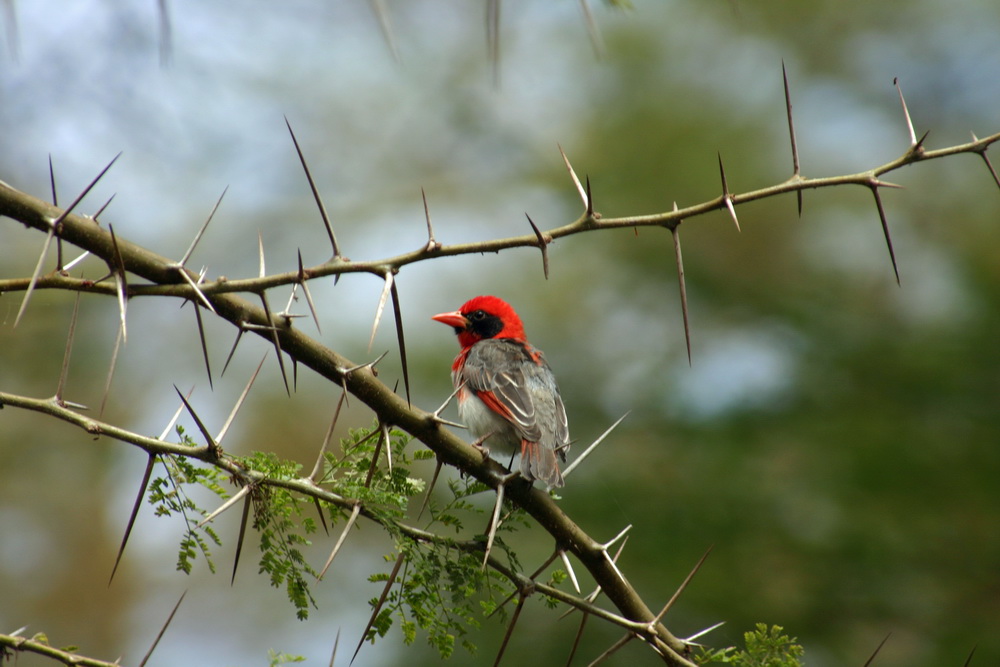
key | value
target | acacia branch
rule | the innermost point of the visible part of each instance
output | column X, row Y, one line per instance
column 167, row 278
column 87, row 234
column 23, row 644
column 307, row 487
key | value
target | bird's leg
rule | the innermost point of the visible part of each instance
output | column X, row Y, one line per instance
column 482, row 449
column 478, row 444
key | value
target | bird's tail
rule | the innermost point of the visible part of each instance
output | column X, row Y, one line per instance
column 538, row 462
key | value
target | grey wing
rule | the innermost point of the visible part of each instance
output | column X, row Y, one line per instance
column 495, row 372
column 524, row 393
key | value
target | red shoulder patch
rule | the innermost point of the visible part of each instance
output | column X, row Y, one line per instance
column 494, row 404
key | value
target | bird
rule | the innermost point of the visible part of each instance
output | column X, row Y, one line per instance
column 507, row 393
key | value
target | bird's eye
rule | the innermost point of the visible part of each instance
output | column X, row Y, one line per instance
column 477, row 316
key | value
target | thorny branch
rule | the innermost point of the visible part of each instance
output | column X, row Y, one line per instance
column 169, row 278
column 531, row 499
column 82, row 231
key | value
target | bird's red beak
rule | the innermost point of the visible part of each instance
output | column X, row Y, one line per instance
column 452, row 319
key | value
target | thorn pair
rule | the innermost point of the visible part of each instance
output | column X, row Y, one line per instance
column 54, row 229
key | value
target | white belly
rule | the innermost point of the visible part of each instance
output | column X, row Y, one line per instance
column 483, row 421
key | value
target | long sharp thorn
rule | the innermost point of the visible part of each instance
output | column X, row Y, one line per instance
column 493, row 37
column 791, row 133
column 135, row 512
column 315, row 192
column 597, row 591
column 989, row 165
column 120, row 292
column 590, row 201
column 702, row 633
column 595, row 33
column 968, row 661
column 569, row 570
column 197, row 420
column 52, row 182
column 64, row 373
column 385, row 25
column 613, row 561
column 322, row 517
column 593, row 445
column 791, row 123
column 176, row 416
column 397, row 314
column 375, row 455
column 239, row 402
column 726, row 196
column 684, row 584
column 260, row 249
column 244, row 519
column 159, row 635
column 204, row 344
column 194, row 285
column 614, row 566
column 885, row 231
column 612, row 650
column 305, row 289
column 120, row 281
column 312, row 305
column 681, row 284
column 166, row 32
column 275, row 340
column 111, row 373
column 204, row 226
column 877, row 649
column 106, row 204
column 340, row 540
column 430, row 489
column 378, row 605
column 879, row 183
column 388, row 445
column 336, row 642
column 314, row 475
column 921, row 140
column 386, row 288
column 732, row 212
column 34, row 276
column 576, row 640
column 236, row 497
column 82, row 256
column 584, row 194
column 370, row 364
column 906, row 114
column 432, row 244
column 86, row 190
column 494, row 522
column 510, row 629
column 239, row 334
column 436, row 415
column 542, row 245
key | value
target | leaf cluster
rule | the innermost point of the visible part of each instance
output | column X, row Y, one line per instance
column 168, row 496
column 763, row 647
column 442, row 588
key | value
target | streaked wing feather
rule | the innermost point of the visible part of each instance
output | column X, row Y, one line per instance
column 505, row 388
